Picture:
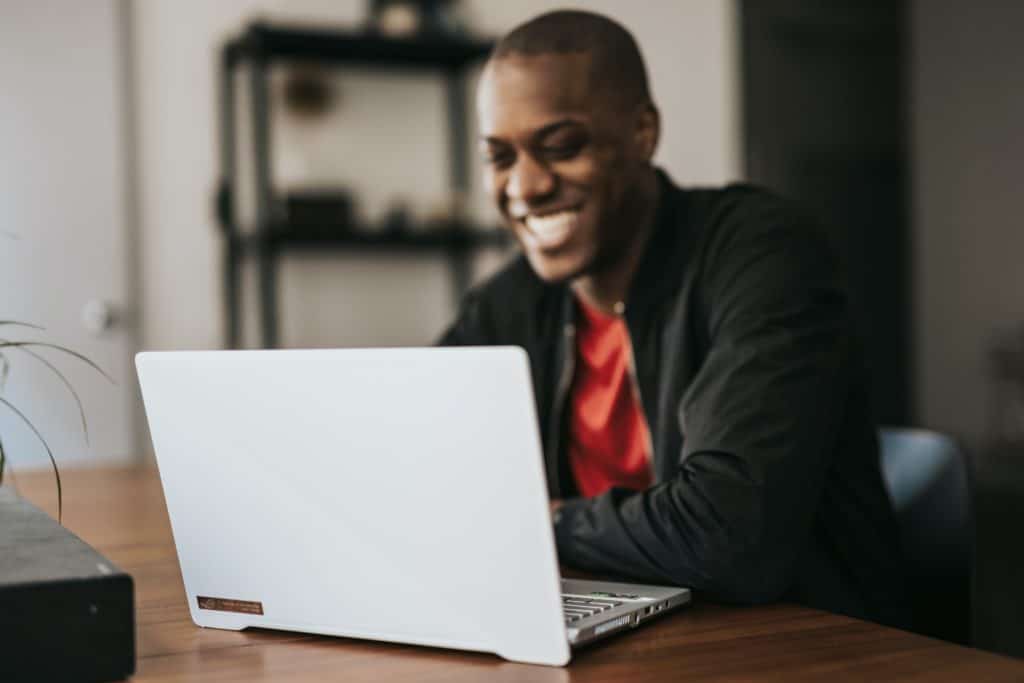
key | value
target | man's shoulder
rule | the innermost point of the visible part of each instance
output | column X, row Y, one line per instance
column 742, row 215
column 743, row 206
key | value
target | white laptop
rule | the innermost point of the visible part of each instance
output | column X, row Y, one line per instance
column 389, row 494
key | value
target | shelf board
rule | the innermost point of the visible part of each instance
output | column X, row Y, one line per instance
column 435, row 240
column 426, row 51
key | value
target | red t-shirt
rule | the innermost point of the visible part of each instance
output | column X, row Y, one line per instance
column 610, row 443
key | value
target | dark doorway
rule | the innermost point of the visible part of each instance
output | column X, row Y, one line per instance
column 824, row 123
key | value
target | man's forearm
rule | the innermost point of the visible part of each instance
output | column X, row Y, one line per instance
column 721, row 537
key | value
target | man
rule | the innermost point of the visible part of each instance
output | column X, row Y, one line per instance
column 702, row 402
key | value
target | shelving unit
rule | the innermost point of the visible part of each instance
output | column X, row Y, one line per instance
column 262, row 45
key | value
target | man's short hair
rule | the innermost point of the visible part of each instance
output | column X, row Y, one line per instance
column 616, row 61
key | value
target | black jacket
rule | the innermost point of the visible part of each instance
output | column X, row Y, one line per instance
column 767, row 481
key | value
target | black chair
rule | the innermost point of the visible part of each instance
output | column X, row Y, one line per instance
column 927, row 478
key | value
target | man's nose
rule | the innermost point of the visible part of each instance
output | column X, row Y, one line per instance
column 529, row 180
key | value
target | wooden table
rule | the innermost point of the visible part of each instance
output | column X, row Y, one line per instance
column 121, row 512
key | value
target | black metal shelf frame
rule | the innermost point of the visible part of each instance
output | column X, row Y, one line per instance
column 261, row 45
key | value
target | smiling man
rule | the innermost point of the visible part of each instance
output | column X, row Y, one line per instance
column 701, row 395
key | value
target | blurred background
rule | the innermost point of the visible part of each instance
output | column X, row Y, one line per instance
column 247, row 173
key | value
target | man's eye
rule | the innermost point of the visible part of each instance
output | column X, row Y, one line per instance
column 563, row 151
column 497, row 158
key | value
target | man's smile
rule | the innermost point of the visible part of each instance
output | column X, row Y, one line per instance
column 550, row 230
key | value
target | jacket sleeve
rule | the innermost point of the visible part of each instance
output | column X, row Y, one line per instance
column 759, row 423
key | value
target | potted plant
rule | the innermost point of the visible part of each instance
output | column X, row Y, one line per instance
column 28, row 347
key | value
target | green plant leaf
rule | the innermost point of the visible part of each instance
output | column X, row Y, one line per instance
column 44, row 361
column 21, row 324
column 58, row 347
column 53, row 461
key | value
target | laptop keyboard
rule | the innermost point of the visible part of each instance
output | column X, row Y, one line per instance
column 577, row 607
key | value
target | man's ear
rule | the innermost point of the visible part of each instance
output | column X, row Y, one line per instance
column 648, row 130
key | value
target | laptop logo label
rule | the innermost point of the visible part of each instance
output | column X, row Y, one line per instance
column 228, row 605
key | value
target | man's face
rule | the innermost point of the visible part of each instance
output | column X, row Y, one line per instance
column 560, row 161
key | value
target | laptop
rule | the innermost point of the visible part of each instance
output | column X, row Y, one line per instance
column 388, row 494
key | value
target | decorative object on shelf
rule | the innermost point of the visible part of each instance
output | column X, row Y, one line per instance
column 398, row 18
column 397, row 220
column 318, row 212
column 307, row 92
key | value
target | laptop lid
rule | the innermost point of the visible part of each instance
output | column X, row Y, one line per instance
column 389, row 494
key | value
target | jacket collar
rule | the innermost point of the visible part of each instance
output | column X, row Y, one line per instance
column 659, row 264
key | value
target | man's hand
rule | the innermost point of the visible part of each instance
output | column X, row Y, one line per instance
column 554, row 505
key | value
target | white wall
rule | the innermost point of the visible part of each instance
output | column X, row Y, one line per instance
column 65, row 229
column 967, row 73
column 385, row 141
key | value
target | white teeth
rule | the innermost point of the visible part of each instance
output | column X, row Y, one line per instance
column 552, row 228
